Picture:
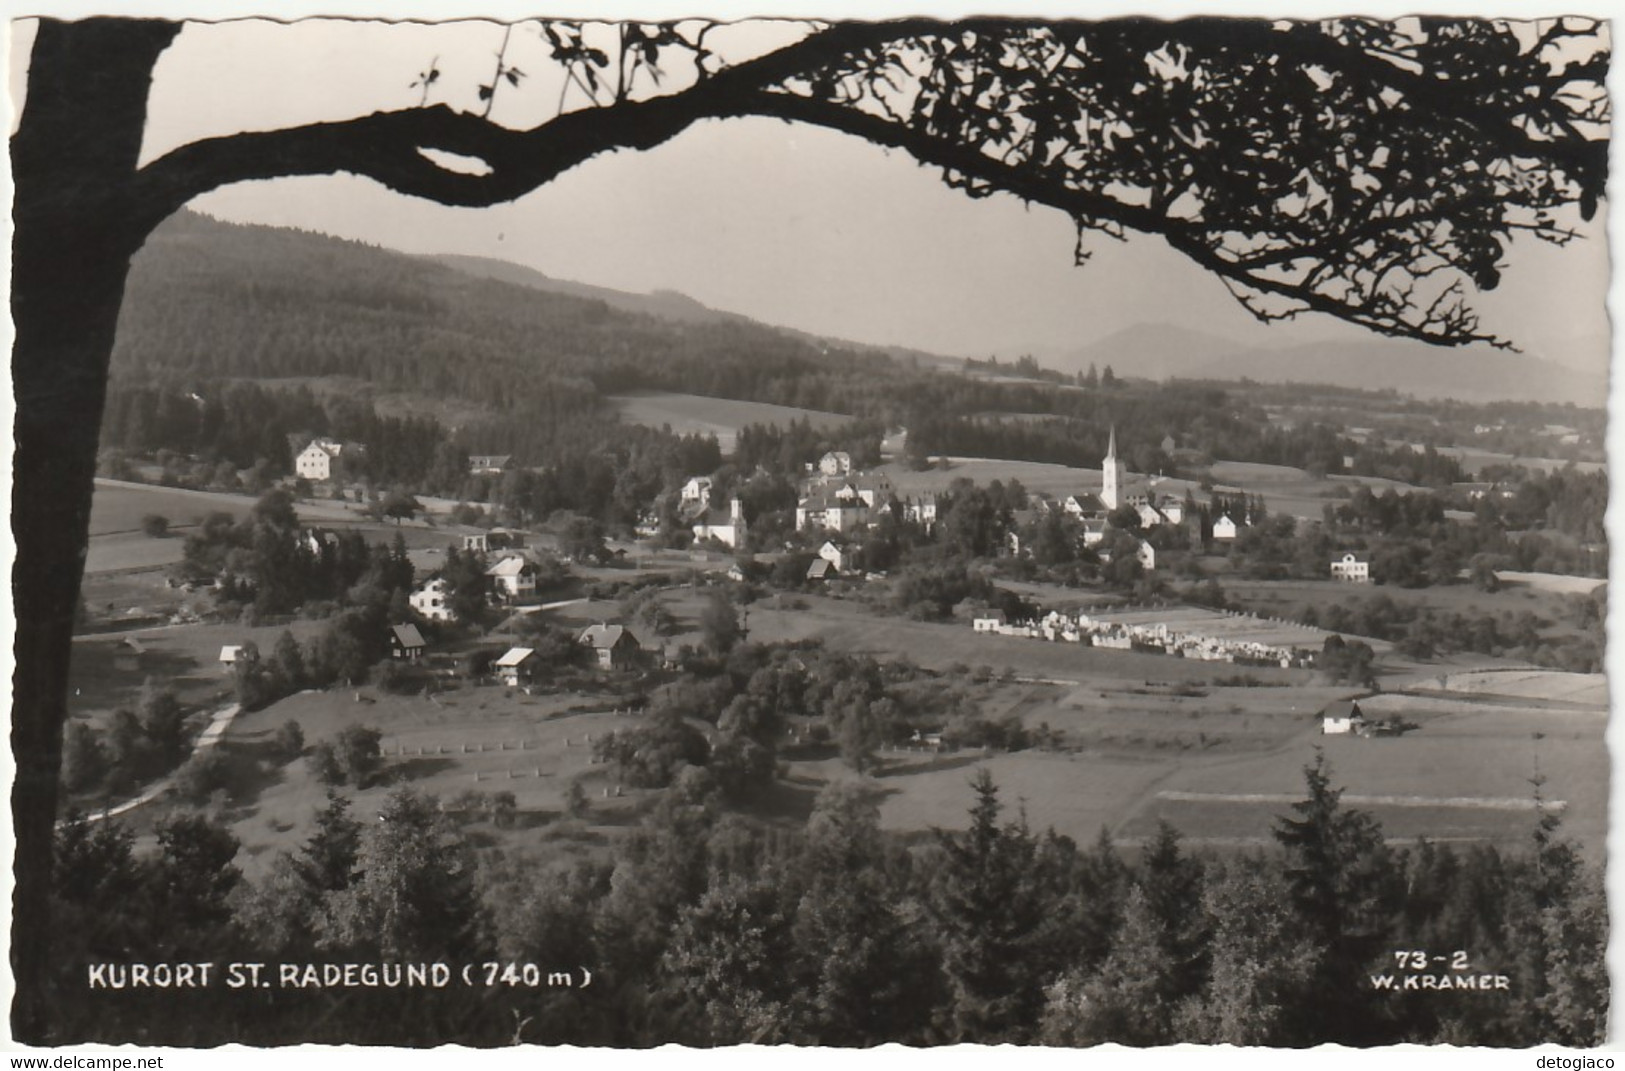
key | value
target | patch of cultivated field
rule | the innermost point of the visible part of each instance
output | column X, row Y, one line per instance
column 688, row 414
column 1553, row 582
column 1462, row 774
column 131, row 550
column 118, row 506
column 116, row 510
column 848, row 626
column 1473, row 459
column 1589, row 688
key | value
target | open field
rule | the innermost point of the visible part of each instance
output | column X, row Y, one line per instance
column 102, row 677
column 1555, row 583
column 117, row 543
column 1474, row 459
column 1462, row 774
column 723, row 417
column 117, row 506
column 1589, row 688
column 484, row 739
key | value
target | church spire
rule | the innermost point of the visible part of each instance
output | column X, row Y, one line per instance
column 1112, row 474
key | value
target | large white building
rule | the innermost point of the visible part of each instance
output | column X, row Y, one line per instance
column 1352, row 568
column 430, row 600
column 315, row 462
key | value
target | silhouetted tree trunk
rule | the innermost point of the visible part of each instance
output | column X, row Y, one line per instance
column 73, row 156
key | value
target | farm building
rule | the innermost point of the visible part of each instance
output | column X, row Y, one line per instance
column 488, row 464
column 614, row 646
column 405, row 641
column 232, row 654
column 518, row 666
column 1341, row 718
column 1225, row 527
column 430, row 600
column 1352, row 568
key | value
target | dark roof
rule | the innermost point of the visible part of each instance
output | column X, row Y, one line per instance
column 408, row 636
column 603, row 637
column 1342, row 708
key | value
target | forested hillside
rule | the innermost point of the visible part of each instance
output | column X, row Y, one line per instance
column 211, row 304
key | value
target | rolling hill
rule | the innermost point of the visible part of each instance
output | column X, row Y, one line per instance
column 1473, row 374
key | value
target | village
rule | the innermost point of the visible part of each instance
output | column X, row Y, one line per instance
column 1113, row 566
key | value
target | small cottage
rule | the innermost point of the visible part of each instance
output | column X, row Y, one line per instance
column 517, row 667
column 613, row 646
column 1341, row 718
column 406, row 642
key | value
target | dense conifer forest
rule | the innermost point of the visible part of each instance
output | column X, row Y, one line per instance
column 704, row 926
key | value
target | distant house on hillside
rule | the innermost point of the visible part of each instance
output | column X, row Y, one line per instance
column 1352, row 568
column 488, row 464
column 232, row 654
column 1225, row 528
column 496, row 539
column 512, row 578
column 837, row 554
column 405, row 641
column 1146, row 555
column 835, row 463
column 430, row 600
column 315, row 462
column 697, row 489
column 516, row 667
column 1341, row 718
column 613, row 646
column 989, row 621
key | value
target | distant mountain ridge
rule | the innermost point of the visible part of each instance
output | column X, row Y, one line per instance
column 1470, row 374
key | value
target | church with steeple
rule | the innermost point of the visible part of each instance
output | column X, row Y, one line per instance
column 1112, row 474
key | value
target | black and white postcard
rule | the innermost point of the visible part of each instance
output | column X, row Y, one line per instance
column 958, row 528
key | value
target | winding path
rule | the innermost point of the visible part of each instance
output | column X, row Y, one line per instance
column 211, row 735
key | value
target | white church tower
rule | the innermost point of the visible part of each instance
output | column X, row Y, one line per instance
column 1111, row 474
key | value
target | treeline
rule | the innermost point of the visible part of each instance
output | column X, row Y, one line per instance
column 1424, row 632
column 703, row 927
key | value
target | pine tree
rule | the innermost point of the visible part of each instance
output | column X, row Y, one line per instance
column 989, row 906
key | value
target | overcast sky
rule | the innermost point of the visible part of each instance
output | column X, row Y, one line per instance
column 791, row 225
